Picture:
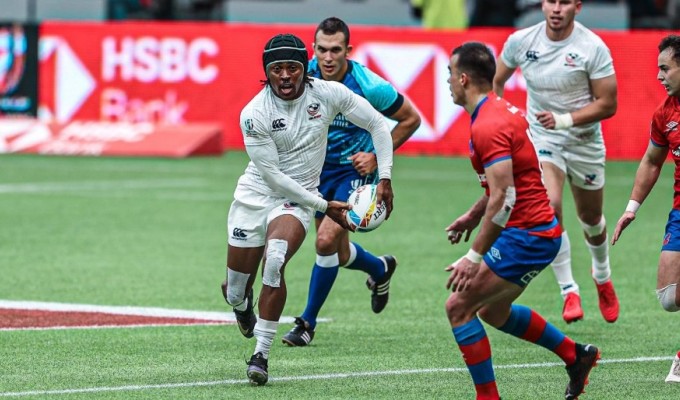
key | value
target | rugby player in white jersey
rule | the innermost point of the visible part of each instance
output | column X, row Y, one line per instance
column 285, row 130
column 571, row 87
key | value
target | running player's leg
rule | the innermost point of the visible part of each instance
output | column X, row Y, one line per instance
column 668, row 294
column 468, row 331
column 554, row 176
column 523, row 255
column 246, row 232
column 325, row 269
column 286, row 230
column 668, row 280
column 586, row 170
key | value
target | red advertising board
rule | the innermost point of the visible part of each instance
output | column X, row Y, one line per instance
column 180, row 72
column 99, row 138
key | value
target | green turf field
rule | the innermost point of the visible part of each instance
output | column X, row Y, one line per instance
column 151, row 232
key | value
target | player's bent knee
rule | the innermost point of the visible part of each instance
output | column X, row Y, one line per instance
column 455, row 310
column 276, row 257
column 667, row 297
column 594, row 230
column 236, row 286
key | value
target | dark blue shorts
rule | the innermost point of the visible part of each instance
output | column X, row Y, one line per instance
column 518, row 255
column 671, row 238
column 338, row 182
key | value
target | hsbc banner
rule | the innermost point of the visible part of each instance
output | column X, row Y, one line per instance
column 135, row 73
column 18, row 69
column 178, row 73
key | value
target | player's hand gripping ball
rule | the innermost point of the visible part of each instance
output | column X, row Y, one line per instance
column 365, row 215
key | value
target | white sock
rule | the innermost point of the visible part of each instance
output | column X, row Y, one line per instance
column 264, row 333
column 600, row 254
column 561, row 266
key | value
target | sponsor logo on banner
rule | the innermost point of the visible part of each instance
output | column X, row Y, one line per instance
column 420, row 71
column 73, row 83
column 136, row 78
column 424, row 66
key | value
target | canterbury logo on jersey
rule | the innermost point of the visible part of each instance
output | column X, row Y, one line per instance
column 532, row 55
column 671, row 126
column 279, row 124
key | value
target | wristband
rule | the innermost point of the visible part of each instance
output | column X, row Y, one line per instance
column 474, row 256
column 563, row 121
column 632, row 206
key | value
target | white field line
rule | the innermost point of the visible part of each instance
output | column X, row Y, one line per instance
column 210, row 317
column 309, row 377
column 51, row 187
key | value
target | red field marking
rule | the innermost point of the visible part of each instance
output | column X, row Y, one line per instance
column 16, row 319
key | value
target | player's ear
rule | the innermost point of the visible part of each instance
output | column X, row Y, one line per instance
column 349, row 49
column 464, row 78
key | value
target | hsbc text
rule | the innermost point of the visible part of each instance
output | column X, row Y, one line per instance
column 150, row 59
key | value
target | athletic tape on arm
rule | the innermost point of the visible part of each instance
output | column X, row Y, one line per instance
column 503, row 215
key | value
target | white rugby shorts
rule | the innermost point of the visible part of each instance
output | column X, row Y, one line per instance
column 583, row 163
column 251, row 212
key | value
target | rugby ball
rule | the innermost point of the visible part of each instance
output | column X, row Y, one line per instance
column 365, row 215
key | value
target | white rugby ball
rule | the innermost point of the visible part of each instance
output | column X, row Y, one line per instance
column 365, row 214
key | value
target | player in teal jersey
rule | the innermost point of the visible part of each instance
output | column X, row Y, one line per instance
column 350, row 162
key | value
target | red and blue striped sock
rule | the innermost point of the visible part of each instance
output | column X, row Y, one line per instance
column 527, row 324
column 474, row 344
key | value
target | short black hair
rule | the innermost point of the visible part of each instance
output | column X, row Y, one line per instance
column 476, row 60
column 333, row 25
column 673, row 42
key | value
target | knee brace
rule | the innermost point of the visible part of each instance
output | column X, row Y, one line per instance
column 667, row 296
column 594, row 230
column 236, row 286
column 276, row 257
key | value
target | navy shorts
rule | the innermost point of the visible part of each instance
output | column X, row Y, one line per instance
column 519, row 255
column 671, row 238
column 338, row 182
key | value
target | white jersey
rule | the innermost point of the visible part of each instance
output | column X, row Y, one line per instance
column 286, row 139
column 558, row 76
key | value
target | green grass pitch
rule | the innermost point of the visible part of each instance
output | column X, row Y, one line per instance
column 151, row 233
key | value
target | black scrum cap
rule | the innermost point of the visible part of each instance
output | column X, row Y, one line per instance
column 285, row 47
